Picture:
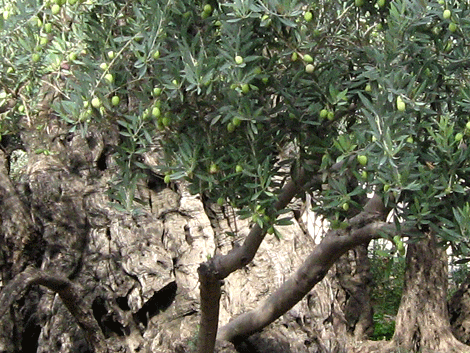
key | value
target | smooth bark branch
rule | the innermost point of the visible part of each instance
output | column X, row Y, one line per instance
column 241, row 256
column 210, row 289
column 221, row 266
column 212, row 272
column 69, row 293
column 312, row 271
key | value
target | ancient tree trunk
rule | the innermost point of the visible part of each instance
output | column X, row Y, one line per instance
column 422, row 321
column 354, row 281
column 18, row 235
column 71, row 295
column 20, row 244
column 136, row 271
column 459, row 312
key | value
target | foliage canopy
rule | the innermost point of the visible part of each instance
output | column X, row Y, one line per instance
column 241, row 94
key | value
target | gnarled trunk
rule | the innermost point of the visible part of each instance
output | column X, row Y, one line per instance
column 459, row 310
column 423, row 320
column 422, row 323
column 137, row 271
column 353, row 277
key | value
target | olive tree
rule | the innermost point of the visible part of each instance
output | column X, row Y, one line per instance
column 255, row 103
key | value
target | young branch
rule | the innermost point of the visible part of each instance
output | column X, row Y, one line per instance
column 243, row 255
column 313, row 270
column 210, row 301
column 212, row 272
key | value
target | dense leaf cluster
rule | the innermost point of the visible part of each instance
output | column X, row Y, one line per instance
column 240, row 94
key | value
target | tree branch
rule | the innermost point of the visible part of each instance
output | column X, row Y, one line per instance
column 362, row 228
column 210, row 291
column 312, row 271
column 70, row 294
column 212, row 272
column 243, row 255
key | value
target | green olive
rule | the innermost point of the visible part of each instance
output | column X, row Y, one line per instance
column 55, row 9
column 236, row 121
column 308, row 16
column 109, row 78
column 207, row 8
column 307, row 58
column 213, row 168
column 115, row 100
column 35, row 57
column 245, row 88
column 156, row 112
column 96, row 102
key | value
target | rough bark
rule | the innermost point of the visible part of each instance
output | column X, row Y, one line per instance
column 354, row 281
column 71, row 295
column 422, row 322
column 138, row 271
column 20, row 244
column 18, row 233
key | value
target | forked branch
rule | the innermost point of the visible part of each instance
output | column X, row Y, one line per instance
column 212, row 272
column 312, row 271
